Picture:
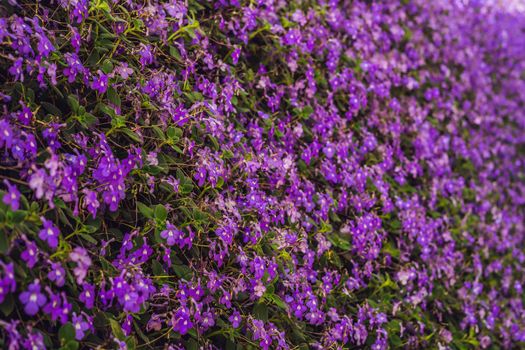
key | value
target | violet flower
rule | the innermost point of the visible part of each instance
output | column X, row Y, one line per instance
column 32, row 298
column 100, row 83
column 80, row 256
column 12, row 197
column 49, row 233
column 80, row 325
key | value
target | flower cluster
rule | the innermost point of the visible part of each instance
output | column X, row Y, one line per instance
column 265, row 174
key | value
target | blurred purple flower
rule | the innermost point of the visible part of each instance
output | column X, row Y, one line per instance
column 12, row 197
column 49, row 233
column 32, row 298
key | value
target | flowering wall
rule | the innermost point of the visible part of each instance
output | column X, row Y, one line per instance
column 261, row 174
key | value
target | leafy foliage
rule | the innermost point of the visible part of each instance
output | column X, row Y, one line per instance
column 261, row 174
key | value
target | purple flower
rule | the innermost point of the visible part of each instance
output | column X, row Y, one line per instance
column 52, row 72
column 57, row 274
column 6, row 134
column 30, row 255
column 32, row 299
column 127, row 324
column 76, row 39
column 91, row 202
column 81, row 257
column 26, row 115
column 180, row 116
column 16, row 69
column 181, row 321
column 171, row 234
column 154, row 323
column 44, row 46
column 173, row 182
column 78, row 10
column 49, row 233
column 88, row 295
column 100, row 83
column 235, row 319
column 123, row 70
column 80, row 325
column 292, row 37
column 12, row 197
column 111, row 198
column 54, row 307
column 4, row 289
column 329, row 150
column 35, row 340
column 131, row 301
column 226, row 300
column 119, row 27
column 207, row 321
column 37, row 182
column 65, row 310
column 121, row 344
column 146, row 56
column 74, row 66
column 260, row 333
column 200, row 176
column 235, row 55
column 7, row 283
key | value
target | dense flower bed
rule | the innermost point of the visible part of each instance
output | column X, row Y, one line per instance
column 261, row 174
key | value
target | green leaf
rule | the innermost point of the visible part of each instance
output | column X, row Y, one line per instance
column 131, row 343
column 100, row 320
column 200, row 216
column 306, row 112
column 30, row 95
column 275, row 299
column 161, row 213
column 177, row 149
column 92, row 225
column 17, row 216
column 66, row 333
column 116, row 329
column 325, row 227
column 113, row 96
column 116, row 122
column 8, row 305
column 182, row 271
column 4, row 242
column 140, row 333
column 145, row 210
column 339, row 241
column 107, row 66
column 334, row 216
column 70, row 345
column 174, row 133
column 260, row 312
column 186, row 188
column 132, row 135
column 51, row 109
column 88, row 238
column 214, row 142
column 157, row 268
column 191, row 344
column 389, row 248
column 174, row 52
column 73, row 103
column 227, row 154
column 194, row 96
column 158, row 131
column 393, row 225
column 87, row 119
